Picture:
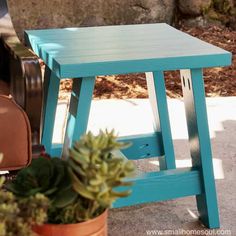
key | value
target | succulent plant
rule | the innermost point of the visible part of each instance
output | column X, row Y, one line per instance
column 18, row 215
column 47, row 176
column 81, row 187
column 97, row 172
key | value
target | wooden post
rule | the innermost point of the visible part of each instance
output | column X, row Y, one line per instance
column 80, row 102
column 157, row 97
column 200, row 147
column 50, row 97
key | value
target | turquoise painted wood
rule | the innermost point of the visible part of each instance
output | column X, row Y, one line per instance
column 157, row 97
column 56, row 149
column 83, row 52
column 200, row 146
column 162, row 185
column 51, row 90
column 143, row 146
column 80, row 102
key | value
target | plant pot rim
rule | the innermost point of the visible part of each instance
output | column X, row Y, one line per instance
column 94, row 227
column 103, row 215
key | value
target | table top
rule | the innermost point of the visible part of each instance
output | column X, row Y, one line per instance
column 103, row 50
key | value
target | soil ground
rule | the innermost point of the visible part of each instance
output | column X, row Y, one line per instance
column 218, row 81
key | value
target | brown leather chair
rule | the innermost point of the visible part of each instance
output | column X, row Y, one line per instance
column 20, row 70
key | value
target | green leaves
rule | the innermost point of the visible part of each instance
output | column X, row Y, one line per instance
column 80, row 188
column 64, row 198
column 49, row 177
column 95, row 171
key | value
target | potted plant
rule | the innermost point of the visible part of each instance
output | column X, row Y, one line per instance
column 80, row 188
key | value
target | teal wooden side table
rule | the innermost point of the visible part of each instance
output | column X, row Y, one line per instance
column 84, row 53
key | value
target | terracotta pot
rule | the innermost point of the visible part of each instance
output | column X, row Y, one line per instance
column 94, row 227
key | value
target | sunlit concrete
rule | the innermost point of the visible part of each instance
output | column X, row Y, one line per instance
column 134, row 116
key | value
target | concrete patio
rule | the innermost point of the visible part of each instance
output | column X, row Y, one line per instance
column 178, row 216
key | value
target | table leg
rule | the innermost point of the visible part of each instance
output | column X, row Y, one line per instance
column 50, row 97
column 200, row 147
column 157, row 97
column 80, row 102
